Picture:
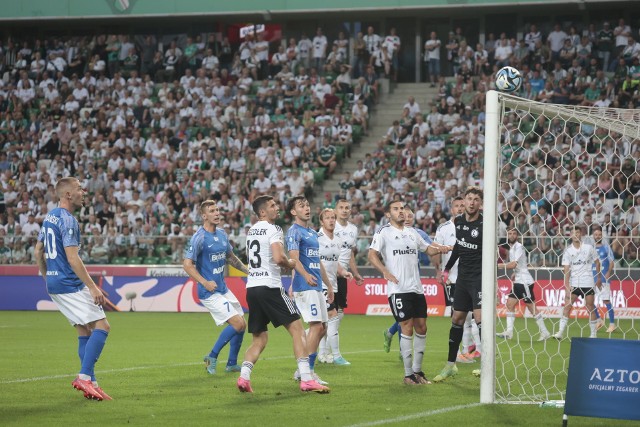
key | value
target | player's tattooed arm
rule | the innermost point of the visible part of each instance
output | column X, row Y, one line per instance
column 235, row 262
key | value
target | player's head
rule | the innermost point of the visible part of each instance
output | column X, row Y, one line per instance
column 512, row 235
column 328, row 219
column 473, row 200
column 299, row 208
column 70, row 193
column 210, row 212
column 597, row 234
column 343, row 209
column 457, row 206
column 409, row 216
column 266, row 208
column 394, row 210
column 576, row 234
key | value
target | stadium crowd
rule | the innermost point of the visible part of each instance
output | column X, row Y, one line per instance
column 151, row 129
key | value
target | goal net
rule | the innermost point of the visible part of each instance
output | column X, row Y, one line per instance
column 549, row 168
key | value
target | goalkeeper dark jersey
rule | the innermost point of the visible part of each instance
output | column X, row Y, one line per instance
column 468, row 249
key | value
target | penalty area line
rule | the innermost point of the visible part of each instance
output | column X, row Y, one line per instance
column 138, row 368
column 424, row 414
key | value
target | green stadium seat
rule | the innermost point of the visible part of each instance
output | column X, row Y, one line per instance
column 119, row 260
column 340, row 153
column 166, row 260
column 151, row 260
column 134, row 260
column 318, row 175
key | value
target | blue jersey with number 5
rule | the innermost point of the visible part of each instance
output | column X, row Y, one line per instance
column 60, row 230
column 209, row 252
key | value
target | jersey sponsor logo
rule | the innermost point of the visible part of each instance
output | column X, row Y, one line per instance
column 258, row 273
column 313, row 253
column 217, row 257
column 52, row 273
column 218, row 270
column 332, row 258
column 314, row 265
column 404, row 252
column 257, row 232
column 466, row 244
column 52, row 219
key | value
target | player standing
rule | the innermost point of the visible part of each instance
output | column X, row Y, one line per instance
column 267, row 301
column 605, row 254
column 303, row 247
column 446, row 235
column 468, row 292
column 68, row 283
column 330, row 249
column 205, row 261
column 399, row 247
column 409, row 221
column 522, row 288
column 347, row 232
column 577, row 261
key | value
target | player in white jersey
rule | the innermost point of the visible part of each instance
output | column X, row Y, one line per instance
column 577, row 261
column 348, row 234
column 267, row 301
column 394, row 253
column 330, row 250
column 446, row 235
column 522, row 288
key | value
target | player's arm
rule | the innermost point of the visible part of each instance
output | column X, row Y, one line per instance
column 598, row 275
column 235, row 262
column 277, row 249
column 80, row 270
column 325, row 279
column 508, row 265
column 567, row 276
column 455, row 254
column 376, row 262
column 294, row 254
column 189, row 267
column 353, row 266
column 343, row 272
column 609, row 272
column 40, row 260
column 436, row 248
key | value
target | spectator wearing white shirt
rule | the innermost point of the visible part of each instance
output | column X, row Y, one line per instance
column 432, row 57
column 392, row 42
column 319, row 50
column 413, row 106
column 555, row 40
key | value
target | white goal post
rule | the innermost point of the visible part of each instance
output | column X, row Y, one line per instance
column 499, row 108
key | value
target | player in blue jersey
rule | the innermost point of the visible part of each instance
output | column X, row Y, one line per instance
column 303, row 247
column 205, row 261
column 69, row 284
column 409, row 221
column 606, row 268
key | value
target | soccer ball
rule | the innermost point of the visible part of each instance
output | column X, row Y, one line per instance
column 508, row 79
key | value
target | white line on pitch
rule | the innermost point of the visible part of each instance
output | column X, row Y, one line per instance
column 417, row 415
column 137, row 368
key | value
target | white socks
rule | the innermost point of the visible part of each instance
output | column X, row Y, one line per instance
column 405, row 350
column 333, row 336
column 419, row 345
column 303, row 368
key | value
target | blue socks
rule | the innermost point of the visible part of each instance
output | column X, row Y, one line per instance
column 312, row 360
column 597, row 313
column 225, row 336
column 394, row 329
column 82, row 344
column 612, row 319
column 92, row 348
column 234, row 348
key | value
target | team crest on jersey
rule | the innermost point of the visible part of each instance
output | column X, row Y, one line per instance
column 70, row 232
column 401, row 314
column 216, row 239
column 474, row 233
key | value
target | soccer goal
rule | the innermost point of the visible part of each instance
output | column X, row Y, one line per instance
column 547, row 168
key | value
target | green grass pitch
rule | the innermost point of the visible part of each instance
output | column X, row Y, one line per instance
column 152, row 366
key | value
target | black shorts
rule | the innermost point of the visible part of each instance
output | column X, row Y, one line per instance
column 340, row 300
column 269, row 305
column 523, row 292
column 332, row 305
column 408, row 306
column 467, row 296
column 583, row 292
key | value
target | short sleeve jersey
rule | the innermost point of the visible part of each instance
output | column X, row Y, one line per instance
column 209, row 252
column 330, row 250
column 60, row 230
column 263, row 271
column 606, row 258
column 305, row 241
column 446, row 235
column 580, row 261
column 469, row 249
column 399, row 249
column 518, row 254
column 348, row 235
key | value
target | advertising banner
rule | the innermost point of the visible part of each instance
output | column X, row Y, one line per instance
column 604, row 379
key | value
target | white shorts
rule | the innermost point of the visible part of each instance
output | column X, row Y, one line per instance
column 223, row 307
column 312, row 306
column 605, row 292
column 78, row 307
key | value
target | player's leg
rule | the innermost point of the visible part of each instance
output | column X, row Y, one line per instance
column 258, row 344
column 324, row 352
column 589, row 303
column 239, row 325
column 223, row 310
column 468, row 344
column 333, row 337
column 258, row 299
column 530, row 302
column 419, row 337
column 92, row 351
column 462, row 304
column 388, row 334
column 341, row 298
column 569, row 299
column 512, row 301
column 307, row 382
column 605, row 295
